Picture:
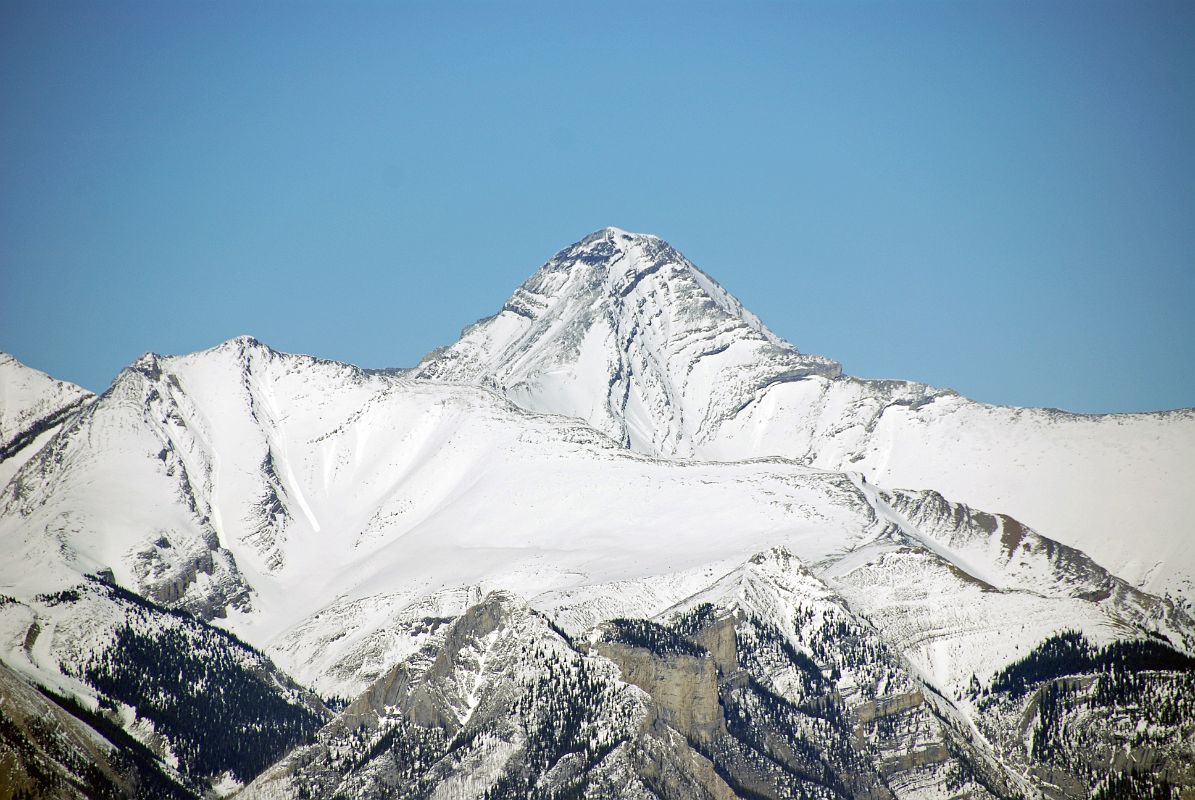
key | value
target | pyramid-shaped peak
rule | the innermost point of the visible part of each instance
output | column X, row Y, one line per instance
column 239, row 347
column 622, row 330
column 244, row 350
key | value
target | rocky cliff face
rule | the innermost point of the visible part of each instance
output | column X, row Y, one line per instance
column 769, row 692
column 683, row 686
column 811, row 691
column 501, row 705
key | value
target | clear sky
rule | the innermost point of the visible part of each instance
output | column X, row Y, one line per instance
column 997, row 197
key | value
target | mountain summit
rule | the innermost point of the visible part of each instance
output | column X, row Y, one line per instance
column 623, row 331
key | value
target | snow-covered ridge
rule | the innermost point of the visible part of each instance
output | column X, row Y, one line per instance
column 30, row 399
column 622, row 331
column 345, row 521
column 335, row 515
column 32, row 406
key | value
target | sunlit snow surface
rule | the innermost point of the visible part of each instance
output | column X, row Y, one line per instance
column 32, row 405
column 335, row 515
column 624, row 332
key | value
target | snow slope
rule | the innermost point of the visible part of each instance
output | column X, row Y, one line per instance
column 622, row 331
column 32, row 404
column 265, row 486
column 332, row 516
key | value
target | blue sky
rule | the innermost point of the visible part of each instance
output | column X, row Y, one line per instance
column 998, row 197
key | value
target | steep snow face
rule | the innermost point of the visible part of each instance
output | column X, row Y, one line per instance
column 622, row 331
column 32, row 405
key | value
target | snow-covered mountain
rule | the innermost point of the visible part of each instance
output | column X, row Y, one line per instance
column 32, row 404
column 624, row 332
column 477, row 575
column 306, row 500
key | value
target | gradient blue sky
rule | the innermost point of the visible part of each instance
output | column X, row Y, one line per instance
column 997, row 197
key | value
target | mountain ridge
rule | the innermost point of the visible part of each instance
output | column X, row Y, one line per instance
column 715, row 384
column 360, row 527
